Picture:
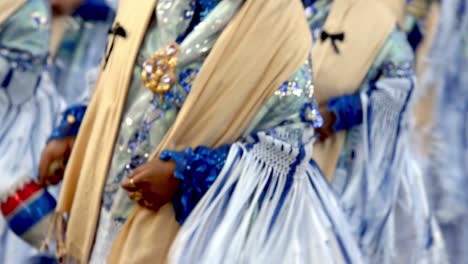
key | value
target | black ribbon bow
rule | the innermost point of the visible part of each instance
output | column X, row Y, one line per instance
column 116, row 30
column 333, row 38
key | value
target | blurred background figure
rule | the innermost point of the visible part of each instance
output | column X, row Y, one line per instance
column 365, row 149
column 81, row 29
column 46, row 50
column 82, row 45
column 446, row 77
column 29, row 102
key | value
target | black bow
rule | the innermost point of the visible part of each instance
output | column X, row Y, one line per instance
column 333, row 38
column 116, row 30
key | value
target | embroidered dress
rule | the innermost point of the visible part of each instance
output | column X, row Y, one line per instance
column 377, row 178
column 447, row 167
column 29, row 104
column 278, row 138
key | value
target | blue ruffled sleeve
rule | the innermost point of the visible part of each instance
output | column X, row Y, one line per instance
column 70, row 122
column 348, row 111
column 197, row 169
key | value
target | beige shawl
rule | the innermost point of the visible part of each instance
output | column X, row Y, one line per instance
column 8, row 7
column 366, row 24
column 265, row 43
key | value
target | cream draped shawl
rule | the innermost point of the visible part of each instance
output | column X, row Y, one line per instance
column 265, row 43
column 366, row 25
column 9, row 7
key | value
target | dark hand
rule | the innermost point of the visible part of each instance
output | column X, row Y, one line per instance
column 329, row 119
column 152, row 184
column 51, row 165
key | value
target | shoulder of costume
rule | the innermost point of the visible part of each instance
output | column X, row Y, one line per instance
column 366, row 26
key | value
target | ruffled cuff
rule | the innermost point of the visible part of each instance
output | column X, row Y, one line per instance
column 348, row 111
column 197, row 170
column 70, row 123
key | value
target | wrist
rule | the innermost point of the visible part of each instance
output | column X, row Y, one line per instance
column 345, row 111
column 195, row 170
column 70, row 123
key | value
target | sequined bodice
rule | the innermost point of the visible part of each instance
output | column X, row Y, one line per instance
column 146, row 119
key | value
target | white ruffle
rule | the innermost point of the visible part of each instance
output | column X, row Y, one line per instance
column 258, row 212
column 7, row 190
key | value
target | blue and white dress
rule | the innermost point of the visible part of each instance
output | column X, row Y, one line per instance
column 448, row 165
column 378, row 179
column 283, row 205
column 29, row 105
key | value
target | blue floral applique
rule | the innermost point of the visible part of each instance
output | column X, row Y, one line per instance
column 197, row 169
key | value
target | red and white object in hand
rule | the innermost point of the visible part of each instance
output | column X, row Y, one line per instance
column 28, row 209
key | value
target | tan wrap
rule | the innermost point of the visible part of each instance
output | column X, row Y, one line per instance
column 366, row 24
column 262, row 47
column 398, row 9
column 8, row 7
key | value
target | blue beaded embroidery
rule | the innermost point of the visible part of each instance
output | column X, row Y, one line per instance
column 197, row 170
column 310, row 114
column 176, row 97
column 187, row 77
column 348, row 111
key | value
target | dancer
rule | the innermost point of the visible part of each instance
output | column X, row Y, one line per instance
column 191, row 91
column 446, row 75
column 29, row 102
column 363, row 67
